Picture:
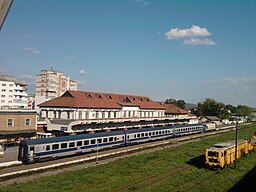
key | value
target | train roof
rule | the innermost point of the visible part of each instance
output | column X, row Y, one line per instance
column 225, row 145
column 160, row 128
column 70, row 138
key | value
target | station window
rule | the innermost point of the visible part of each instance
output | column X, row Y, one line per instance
column 99, row 140
column 86, row 142
column 93, row 141
column 55, row 146
column 105, row 140
column 79, row 143
column 48, row 148
column 72, row 144
column 10, row 122
column 63, row 145
column 111, row 139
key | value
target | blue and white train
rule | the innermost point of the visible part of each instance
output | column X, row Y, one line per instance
column 34, row 150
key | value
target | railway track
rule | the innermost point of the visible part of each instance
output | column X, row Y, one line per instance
column 99, row 157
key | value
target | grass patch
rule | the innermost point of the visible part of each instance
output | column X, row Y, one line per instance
column 171, row 169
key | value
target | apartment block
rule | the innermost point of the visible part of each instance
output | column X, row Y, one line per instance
column 51, row 84
column 13, row 92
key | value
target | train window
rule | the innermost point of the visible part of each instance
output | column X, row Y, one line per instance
column 138, row 135
column 166, row 131
column 123, row 137
column 149, row 133
column 142, row 134
column 48, row 148
column 116, row 138
column 93, row 141
column 63, row 145
column 128, row 137
column 86, row 142
column 55, row 146
column 156, row 132
column 72, row 144
column 146, row 134
column 105, row 140
column 79, row 143
column 111, row 139
column 134, row 136
column 153, row 133
column 99, row 140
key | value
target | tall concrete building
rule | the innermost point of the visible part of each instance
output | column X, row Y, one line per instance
column 51, row 84
column 13, row 93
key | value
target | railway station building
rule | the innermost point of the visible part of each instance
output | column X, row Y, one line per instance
column 78, row 111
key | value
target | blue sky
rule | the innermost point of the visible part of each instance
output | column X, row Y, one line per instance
column 188, row 50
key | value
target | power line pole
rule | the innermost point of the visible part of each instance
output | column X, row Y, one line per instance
column 236, row 144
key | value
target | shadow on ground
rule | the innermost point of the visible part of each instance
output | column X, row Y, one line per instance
column 247, row 183
column 198, row 162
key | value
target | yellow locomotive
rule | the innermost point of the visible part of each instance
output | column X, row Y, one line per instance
column 223, row 154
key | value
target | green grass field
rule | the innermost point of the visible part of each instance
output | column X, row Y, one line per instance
column 171, row 169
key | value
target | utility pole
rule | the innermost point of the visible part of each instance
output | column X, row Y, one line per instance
column 236, row 144
column 97, row 158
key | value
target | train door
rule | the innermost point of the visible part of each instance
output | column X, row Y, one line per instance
column 32, row 153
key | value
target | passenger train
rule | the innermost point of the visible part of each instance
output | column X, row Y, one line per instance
column 34, row 150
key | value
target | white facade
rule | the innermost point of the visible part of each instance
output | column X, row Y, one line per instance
column 90, row 114
column 12, row 93
column 51, row 84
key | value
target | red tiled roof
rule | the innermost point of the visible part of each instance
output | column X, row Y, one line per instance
column 170, row 108
column 101, row 101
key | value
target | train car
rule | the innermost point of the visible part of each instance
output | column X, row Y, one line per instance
column 149, row 134
column 223, row 154
column 51, row 148
column 253, row 140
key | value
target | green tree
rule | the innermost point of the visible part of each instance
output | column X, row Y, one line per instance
column 243, row 110
column 178, row 103
column 209, row 107
column 181, row 104
column 170, row 101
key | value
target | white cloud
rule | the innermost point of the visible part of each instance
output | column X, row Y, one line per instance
column 82, row 72
column 144, row 2
column 32, row 50
column 195, row 41
column 235, row 81
column 2, row 71
column 29, row 79
column 236, row 90
column 194, row 31
column 25, row 35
